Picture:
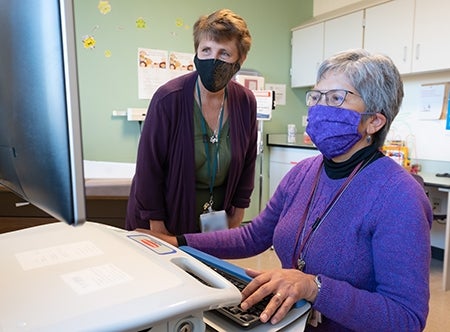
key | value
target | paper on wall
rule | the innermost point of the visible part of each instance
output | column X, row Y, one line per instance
column 432, row 99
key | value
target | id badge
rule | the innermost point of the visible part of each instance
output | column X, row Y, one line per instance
column 213, row 221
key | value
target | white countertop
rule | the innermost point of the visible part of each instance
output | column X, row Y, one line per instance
column 431, row 179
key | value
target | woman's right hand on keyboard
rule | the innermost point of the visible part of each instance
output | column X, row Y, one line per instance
column 287, row 287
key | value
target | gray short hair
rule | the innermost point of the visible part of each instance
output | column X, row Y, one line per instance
column 375, row 78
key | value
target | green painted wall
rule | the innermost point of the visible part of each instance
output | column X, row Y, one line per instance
column 108, row 72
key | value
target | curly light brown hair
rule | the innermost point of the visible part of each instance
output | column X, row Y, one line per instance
column 223, row 25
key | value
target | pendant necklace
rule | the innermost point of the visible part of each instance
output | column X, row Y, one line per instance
column 298, row 260
column 214, row 138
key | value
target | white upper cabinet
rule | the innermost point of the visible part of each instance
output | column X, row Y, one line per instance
column 391, row 33
column 307, row 54
column 343, row 33
column 431, row 36
column 412, row 33
column 311, row 44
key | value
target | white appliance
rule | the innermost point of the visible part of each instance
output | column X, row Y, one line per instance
column 282, row 159
column 98, row 278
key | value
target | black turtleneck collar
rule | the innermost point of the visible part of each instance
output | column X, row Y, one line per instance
column 342, row 170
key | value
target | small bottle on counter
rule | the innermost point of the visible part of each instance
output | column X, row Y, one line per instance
column 291, row 133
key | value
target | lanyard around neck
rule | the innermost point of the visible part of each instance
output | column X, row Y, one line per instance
column 297, row 259
column 211, row 174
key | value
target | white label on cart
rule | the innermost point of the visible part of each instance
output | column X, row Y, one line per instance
column 95, row 278
column 70, row 252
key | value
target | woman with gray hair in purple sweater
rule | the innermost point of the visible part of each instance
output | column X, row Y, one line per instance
column 351, row 227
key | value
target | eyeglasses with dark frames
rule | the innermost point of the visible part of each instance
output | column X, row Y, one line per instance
column 335, row 97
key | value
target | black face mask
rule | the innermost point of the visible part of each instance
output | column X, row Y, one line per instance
column 215, row 74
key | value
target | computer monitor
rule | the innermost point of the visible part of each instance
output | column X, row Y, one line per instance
column 40, row 136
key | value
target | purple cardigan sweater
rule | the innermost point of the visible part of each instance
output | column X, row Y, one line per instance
column 163, row 187
column 372, row 251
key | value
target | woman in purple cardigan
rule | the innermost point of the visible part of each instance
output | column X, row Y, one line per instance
column 198, row 145
column 351, row 227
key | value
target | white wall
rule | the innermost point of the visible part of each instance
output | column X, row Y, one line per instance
column 426, row 139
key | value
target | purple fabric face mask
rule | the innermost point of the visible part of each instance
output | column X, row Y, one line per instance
column 333, row 130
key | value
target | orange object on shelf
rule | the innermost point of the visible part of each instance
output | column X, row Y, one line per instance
column 397, row 151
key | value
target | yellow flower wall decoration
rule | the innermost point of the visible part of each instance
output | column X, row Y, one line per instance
column 140, row 23
column 104, row 7
column 179, row 22
column 89, row 42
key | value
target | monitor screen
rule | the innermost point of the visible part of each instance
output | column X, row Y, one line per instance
column 40, row 136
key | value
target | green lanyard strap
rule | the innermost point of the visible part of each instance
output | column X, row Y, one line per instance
column 211, row 174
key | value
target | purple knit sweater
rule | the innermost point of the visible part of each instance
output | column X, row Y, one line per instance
column 372, row 251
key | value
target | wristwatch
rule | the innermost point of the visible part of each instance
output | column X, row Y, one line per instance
column 318, row 283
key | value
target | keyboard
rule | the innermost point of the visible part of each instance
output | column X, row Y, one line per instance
column 237, row 276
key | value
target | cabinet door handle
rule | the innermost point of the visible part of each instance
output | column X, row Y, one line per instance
column 417, row 51
column 405, row 52
column 294, row 162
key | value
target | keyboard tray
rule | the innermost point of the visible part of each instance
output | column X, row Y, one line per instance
column 244, row 319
